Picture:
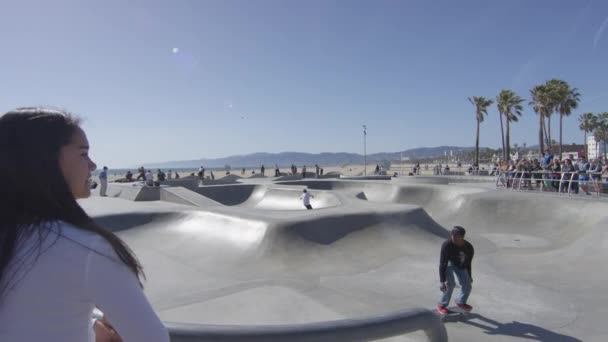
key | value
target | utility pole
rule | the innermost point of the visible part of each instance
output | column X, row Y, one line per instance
column 365, row 150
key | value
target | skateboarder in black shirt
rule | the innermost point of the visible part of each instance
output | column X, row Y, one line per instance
column 456, row 257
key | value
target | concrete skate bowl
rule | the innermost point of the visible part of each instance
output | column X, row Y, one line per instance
column 535, row 220
column 538, row 255
column 433, row 198
column 208, row 268
column 267, row 197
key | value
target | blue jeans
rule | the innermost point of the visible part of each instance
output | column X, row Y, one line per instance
column 465, row 286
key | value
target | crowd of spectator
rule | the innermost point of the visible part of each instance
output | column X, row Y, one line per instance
column 551, row 174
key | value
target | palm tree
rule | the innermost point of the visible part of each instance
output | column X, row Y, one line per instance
column 601, row 130
column 586, row 125
column 552, row 88
column 541, row 105
column 567, row 100
column 510, row 106
column 481, row 109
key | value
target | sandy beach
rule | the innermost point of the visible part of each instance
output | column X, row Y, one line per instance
column 346, row 170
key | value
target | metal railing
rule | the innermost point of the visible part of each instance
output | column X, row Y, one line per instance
column 355, row 329
column 565, row 183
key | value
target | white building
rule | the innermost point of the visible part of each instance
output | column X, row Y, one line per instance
column 595, row 149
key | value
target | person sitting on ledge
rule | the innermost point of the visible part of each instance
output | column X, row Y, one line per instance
column 56, row 263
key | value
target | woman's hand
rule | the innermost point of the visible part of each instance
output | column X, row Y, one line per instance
column 104, row 332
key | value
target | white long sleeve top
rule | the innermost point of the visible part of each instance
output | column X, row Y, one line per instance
column 53, row 297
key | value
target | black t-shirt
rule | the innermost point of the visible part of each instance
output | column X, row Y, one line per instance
column 459, row 256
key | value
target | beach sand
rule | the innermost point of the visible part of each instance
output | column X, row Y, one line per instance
column 346, row 170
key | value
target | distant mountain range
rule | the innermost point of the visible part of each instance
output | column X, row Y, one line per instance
column 284, row 159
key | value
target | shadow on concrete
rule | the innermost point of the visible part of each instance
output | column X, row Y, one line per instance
column 515, row 329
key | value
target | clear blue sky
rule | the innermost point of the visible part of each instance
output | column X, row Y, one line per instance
column 272, row 76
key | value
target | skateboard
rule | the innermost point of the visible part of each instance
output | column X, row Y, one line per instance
column 454, row 314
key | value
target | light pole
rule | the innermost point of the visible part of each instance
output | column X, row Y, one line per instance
column 365, row 150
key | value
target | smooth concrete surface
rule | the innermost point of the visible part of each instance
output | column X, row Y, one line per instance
column 538, row 270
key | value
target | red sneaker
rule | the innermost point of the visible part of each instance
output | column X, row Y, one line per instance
column 465, row 307
column 442, row 310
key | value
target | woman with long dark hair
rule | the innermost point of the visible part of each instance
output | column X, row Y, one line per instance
column 56, row 264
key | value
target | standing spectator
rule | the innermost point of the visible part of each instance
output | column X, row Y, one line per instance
column 582, row 166
column 169, row 175
column 304, row 171
column 536, row 169
column 595, row 170
column 160, row 176
column 262, row 169
column 568, row 172
column 555, row 168
column 546, row 163
column 129, row 176
column 141, row 174
column 317, row 170
column 103, row 181
column 277, row 173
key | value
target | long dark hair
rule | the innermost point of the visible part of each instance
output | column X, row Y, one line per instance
column 34, row 190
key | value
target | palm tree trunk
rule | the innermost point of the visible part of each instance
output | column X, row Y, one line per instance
column 605, row 138
column 502, row 135
column 507, row 143
column 547, row 142
column 540, row 134
column 549, row 129
column 586, row 146
column 477, row 145
column 561, row 119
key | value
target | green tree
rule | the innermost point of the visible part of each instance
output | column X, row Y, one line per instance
column 509, row 105
column 541, row 104
column 481, row 110
column 567, row 99
column 552, row 98
column 587, row 124
column 601, row 130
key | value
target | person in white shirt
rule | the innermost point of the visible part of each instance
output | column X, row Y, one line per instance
column 56, row 263
column 170, row 175
column 306, row 199
column 149, row 178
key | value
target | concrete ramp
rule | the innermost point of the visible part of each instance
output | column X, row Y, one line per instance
column 133, row 191
column 187, row 197
column 265, row 197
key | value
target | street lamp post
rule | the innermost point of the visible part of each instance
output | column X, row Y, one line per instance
column 365, row 150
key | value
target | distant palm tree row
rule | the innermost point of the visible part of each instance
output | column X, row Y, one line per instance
column 554, row 96
column 596, row 124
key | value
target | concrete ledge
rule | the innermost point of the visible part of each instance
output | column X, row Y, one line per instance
column 374, row 177
column 357, row 329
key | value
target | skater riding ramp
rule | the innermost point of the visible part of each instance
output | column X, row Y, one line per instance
column 268, row 197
